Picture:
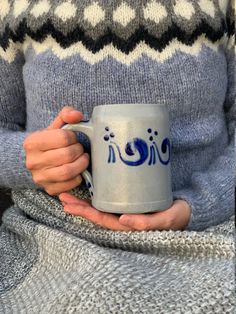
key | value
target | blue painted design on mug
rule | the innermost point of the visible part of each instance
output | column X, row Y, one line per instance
column 152, row 159
column 165, row 144
column 128, row 149
column 106, row 138
column 112, row 156
column 140, row 147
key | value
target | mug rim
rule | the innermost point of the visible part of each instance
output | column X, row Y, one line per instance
column 133, row 104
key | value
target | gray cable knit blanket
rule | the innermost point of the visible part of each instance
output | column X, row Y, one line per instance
column 52, row 262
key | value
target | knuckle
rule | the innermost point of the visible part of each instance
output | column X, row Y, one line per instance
column 67, row 137
column 72, row 153
column 31, row 141
column 29, row 163
column 84, row 159
column 66, row 109
column 69, row 155
column 28, row 144
column 80, row 149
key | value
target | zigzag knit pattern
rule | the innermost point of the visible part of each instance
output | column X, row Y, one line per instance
column 123, row 29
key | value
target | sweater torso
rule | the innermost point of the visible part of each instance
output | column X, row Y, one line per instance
column 89, row 53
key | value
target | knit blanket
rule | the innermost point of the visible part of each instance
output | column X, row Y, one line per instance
column 53, row 262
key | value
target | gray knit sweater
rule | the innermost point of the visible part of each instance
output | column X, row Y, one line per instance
column 87, row 53
column 92, row 52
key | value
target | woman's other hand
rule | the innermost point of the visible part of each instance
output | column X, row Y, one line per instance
column 53, row 155
column 175, row 218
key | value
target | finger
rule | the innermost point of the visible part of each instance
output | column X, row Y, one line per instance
column 62, row 173
column 57, row 157
column 67, row 115
column 136, row 221
column 61, row 187
column 154, row 221
column 68, row 198
column 45, row 140
column 106, row 220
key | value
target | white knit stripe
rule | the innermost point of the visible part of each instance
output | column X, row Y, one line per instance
column 109, row 50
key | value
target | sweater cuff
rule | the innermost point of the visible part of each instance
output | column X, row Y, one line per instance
column 201, row 216
column 14, row 173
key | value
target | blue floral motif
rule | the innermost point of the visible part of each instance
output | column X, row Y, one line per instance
column 140, row 148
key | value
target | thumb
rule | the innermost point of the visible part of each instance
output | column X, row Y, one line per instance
column 66, row 115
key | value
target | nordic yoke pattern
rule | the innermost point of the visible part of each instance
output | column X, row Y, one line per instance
column 86, row 53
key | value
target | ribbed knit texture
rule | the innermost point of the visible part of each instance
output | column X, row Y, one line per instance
column 87, row 53
column 74, row 266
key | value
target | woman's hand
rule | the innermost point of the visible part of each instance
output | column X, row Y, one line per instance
column 174, row 218
column 54, row 156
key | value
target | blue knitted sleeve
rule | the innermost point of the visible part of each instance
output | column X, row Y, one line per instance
column 13, row 172
column 211, row 193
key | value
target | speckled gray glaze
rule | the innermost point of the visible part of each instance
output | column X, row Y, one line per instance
column 130, row 151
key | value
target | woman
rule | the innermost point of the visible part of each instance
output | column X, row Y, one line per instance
column 88, row 53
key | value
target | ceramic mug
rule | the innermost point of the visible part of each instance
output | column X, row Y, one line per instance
column 130, row 151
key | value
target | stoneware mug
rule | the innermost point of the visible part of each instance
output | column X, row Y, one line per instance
column 130, row 151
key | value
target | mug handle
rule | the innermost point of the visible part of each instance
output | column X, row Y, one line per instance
column 85, row 127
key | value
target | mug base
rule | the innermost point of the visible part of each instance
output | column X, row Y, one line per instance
column 132, row 208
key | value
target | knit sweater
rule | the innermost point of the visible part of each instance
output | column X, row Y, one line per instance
column 54, row 263
column 87, row 53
